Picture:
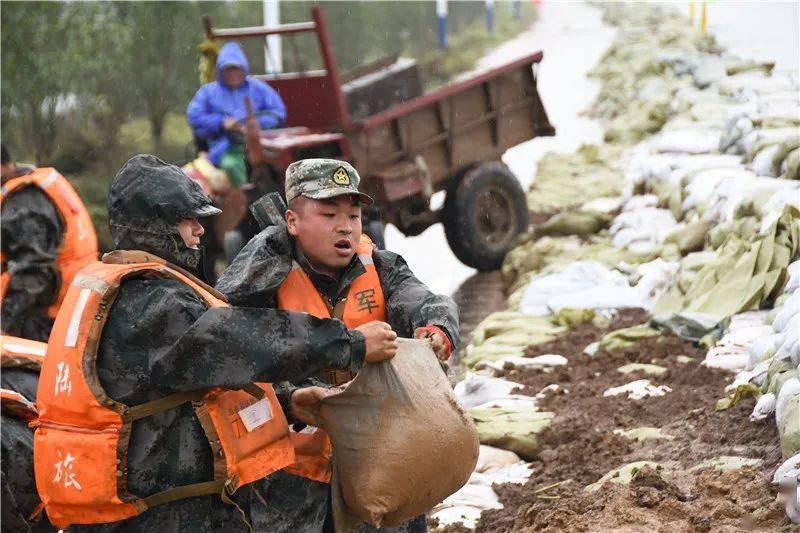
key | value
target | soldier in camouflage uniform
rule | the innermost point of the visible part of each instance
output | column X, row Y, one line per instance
column 31, row 235
column 160, row 338
column 293, row 503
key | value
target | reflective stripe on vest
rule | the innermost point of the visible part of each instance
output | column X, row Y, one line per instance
column 364, row 303
column 15, row 404
column 81, row 438
column 79, row 243
column 19, row 352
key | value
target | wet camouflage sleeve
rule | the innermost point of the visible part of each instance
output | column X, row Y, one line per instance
column 31, row 235
column 226, row 347
column 253, row 278
column 17, row 485
column 409, row 303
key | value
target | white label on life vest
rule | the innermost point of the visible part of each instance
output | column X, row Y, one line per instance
column 256, row 415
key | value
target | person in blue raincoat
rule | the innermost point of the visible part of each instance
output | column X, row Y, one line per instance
column 219, row 107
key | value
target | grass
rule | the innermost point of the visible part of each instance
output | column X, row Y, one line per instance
column 466, row 47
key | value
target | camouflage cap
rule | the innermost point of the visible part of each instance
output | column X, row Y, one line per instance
column 322, row 178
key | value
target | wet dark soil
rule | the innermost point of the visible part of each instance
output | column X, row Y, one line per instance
column 580, row 446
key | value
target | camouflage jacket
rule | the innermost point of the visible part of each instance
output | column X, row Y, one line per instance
column 31, row 236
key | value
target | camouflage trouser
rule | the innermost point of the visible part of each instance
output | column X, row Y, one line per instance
column 285, row 503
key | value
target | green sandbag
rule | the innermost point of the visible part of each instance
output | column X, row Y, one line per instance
column 510, row 429
column 744, row 274
column 690, row 238
column 745, row 227
column 623, row 338
column 690, row 326
column 790, row 430
column 509, row 322
column 622, row 475
column 778, row 372
column 569, row 317
column 565, row 180
column 574, row 223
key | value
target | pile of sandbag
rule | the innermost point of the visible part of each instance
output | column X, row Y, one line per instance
column 771, row 365
column 693, row 214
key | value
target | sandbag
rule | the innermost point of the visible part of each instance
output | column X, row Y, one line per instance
column 789, row 430
column 401, row 442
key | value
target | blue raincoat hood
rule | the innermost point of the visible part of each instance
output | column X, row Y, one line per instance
column 231, row 55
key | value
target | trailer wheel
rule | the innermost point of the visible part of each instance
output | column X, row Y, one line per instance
column 483, row 214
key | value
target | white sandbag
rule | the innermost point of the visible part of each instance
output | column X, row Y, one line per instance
column 491, row 458
column 732, row 350
column 576, row 278
column 687, row 141
column 756, row 376
column 655, row 277
column 601, row 297
column 787, row 316
column 771, row 135
column 475, row 389
column 701, row 187
column 771, row 211
column 789, row 390
column 787, row 477
column 466, row 505
column 764, row 407
column 759, row 348
column 603, row 205
column 793, row 270
column 788, row 341
column 640, row 202
column 401, row 443
column 517, row 473
column 514, row 402
column 648, row 225
column 636, row 390
column 763, row 163
column 513, row 362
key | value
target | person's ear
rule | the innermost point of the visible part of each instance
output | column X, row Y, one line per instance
column 291, row 222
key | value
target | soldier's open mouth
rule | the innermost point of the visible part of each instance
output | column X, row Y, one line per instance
column 343, row 247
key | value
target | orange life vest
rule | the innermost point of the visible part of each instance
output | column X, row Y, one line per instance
column 82, row 435
column 19, row 352
column 79, row 242
column 364, row 303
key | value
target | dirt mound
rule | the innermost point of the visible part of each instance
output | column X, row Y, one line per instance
column 581, row 445
column 654, row 501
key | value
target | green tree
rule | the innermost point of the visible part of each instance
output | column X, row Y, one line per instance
column 36, row 68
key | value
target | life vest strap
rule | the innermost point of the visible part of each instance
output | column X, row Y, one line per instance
column 166, row 403
column 205, row 488
column 254, row 390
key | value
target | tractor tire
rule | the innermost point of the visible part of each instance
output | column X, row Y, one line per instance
column 482, row 215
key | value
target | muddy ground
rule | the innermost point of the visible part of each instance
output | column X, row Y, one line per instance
column 580, row 446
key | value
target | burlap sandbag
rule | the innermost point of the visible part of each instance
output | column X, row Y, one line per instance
column 401, row 442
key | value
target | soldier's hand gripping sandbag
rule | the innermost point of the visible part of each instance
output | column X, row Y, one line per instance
column 401, row 442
